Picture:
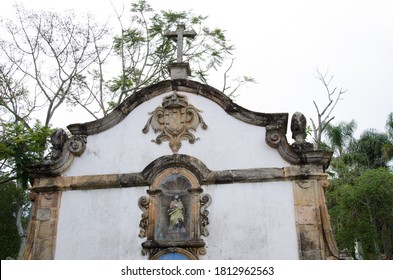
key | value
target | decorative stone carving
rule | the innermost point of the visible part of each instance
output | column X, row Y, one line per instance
column 174, row 215
column 62, row 154
column 205, row 202
column 305, row 184
column 143, row 204
column 43, row 214
column 57, row 139
column 325, row 185
column 298, row 128
column 174, row 120
column 276, row 130
column 78, row 144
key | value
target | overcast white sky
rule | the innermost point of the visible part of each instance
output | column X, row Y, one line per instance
column 280, row 43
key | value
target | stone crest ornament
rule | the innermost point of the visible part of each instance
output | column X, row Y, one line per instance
column 175, row 120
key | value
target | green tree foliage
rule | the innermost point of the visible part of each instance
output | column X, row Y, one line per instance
column 369, row 149
column 20, row 148
column 363, row 212
column 11, row 198
column 341, row 136
column 145, row 52
column 360, row 197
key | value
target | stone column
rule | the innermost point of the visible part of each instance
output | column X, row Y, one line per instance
column 308, row 201
column 43, row 226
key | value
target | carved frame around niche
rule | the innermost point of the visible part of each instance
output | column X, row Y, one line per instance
column 156, row 227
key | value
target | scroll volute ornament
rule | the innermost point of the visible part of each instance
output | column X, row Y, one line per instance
column 143, row 204
column 174, row 120
column 60, row 140
column 204, row 219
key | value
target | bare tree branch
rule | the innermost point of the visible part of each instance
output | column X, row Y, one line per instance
column 324, row 115
column 53, row 51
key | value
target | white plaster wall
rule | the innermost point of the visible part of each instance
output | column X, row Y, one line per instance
column 100, row 224
column 247, row 221
column 227, row 143
column 252, row 221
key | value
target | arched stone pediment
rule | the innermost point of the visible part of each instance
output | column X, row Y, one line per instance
column 273, row 129
column 133, row 101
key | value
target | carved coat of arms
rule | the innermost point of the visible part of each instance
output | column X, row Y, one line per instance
column 175, row 120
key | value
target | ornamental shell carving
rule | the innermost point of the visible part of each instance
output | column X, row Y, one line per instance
column 175, row 120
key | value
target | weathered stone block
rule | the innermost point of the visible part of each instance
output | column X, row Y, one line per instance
column 43, row 250
column 303, row 170
column 44, row 230
column 304, row 192
column 310, row 237
column 43, row 214
column 311, row 255
column 307, row 215
column 44, row 202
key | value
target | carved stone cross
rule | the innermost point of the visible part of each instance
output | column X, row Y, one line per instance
column 178, row 36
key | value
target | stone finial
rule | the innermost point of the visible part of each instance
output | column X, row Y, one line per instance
column 57, row 139
column 298, row 128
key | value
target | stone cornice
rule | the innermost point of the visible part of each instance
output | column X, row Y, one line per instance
column 202, row 173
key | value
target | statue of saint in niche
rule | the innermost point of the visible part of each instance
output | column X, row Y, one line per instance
column 176, row 215
column 173, row 209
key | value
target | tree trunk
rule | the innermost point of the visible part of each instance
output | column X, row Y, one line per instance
column 387, row 242
column 21, row 231
column 375, row 241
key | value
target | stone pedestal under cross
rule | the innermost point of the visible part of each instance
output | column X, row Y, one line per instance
column 180, row 69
